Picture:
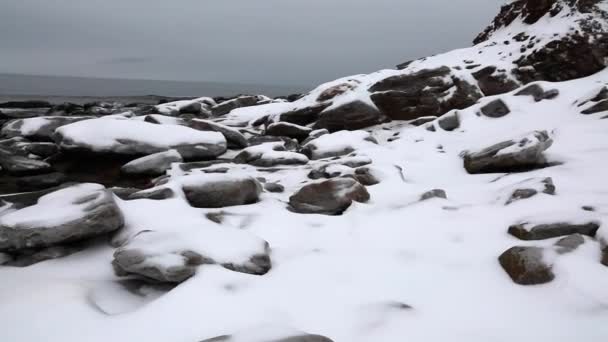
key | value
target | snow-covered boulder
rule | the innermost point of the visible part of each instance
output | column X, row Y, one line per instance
column 270, row 154
column 70, row 214
column 232, row 135
column 199, row 106
column 220, row 190
column 349, row 116
column 519, row 154
column 338, row 144
column 526, row 265
column 17, row 164
column 154, row 164
column 131, row 137
column 532, row 231
column 39, row 128
column 174, row 257
column 226, row 107
column 331, row 197
column 286, row 129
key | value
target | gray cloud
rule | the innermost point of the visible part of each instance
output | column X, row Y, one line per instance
column 257, row 41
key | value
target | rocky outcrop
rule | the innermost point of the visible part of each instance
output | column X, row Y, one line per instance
column 515, row 155
column 331, row 197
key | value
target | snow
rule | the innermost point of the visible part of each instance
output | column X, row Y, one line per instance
column 105, row 134
column 338, row 142
column 53, row 209
column 170, row 108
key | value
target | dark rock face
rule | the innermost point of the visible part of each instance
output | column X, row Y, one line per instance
column 493, row 82
column 223, row 192
column 351, row 116
column 232, row 135
column 99, row 214
column 522, row 154
column 547, row 187
column 284, row 129
column 525, row 265
column 551, row 230
column 495, row 109
column 304, row 116
column 423, row 93
column 331, row 197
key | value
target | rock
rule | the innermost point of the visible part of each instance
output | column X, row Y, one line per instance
column 495, row 109
column 274, row 187
column 219, row 190
column 365, row 176
column 288, row 143
column 425, row 119
column 336, row 90
column 174, row 256
column 493, row 82
column 350, row 116
column 286, row 129
column 246, row 338
column 449, row 122
column 19, row 165
column 303, row 116
column 30, row 104
column 30, row 257
column 525, row 265
column 532, row 187
column 152, row 165
column 152, row 194
column 39, row 128
column 314, row 135
column 239, row 102
column 435, row 193
column 39, row 182
column 66, row 109
column 270, row 154
column 601, row 106
column 331, row 197
column 537, row 92
column 338, row 144
column 66, row 215
column 123, row 193
column 569, row 243
column 130, row 137
column 196, row 107
column 515, row 155
column 232, row 135
column 41, row 149
column 527, row 231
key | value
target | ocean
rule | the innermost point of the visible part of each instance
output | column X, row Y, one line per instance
column 59, row 89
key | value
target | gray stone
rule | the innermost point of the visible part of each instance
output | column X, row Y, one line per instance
column 569, row 243
column 350, row 116
column 97, row 214
column 525, row 265
column 331, row 197
column 365, row 176
column 495, row 109
column 152, row 165
column 19, row 165
column 232, row 135
column 435, row 193
column 523, row 154
column 289, row 130
column 449, row 122
column 274, row 187
column 223, row 192
column 525, row 231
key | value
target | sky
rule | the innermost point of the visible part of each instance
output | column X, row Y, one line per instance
column 276, row 42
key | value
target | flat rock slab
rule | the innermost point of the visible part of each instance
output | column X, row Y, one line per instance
column 526, row 266
column 331, row 197
column 527, row 231
column 66, row 215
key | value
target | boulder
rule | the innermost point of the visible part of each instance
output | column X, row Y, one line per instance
column 220, row 190
column 39, row 128
column 270, row 154
column 66, row 215
column 30, row 257
column 435, row 193
column 244, row 338
column 19, row 165
column 338, row 144
column 495, row 109
column 232, row 135
column 274, row 187
column 449, row 122
column 537, row 92
column 350, row 116
column 226, row 107
column 133, row 138
column 531, row 187
column 286, row 129
column 174, row 256
column 492, row 81
column 303, row 116
column 527, row 231
column 569, row 243
column 515, row 155
column 152, row 165
column 331, row 197
column 526, row 266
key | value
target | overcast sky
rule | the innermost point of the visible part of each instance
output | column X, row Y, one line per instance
column 291, row 42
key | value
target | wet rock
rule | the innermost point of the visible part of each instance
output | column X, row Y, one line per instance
column 152, row 165
column 495, row 109
column 515, row 155
column 351, row 116
column 289, row 130
column 70, row 214
column 218, row 190
column 526, row 231
column 525, row 265
column 331, row 197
